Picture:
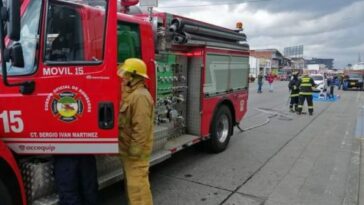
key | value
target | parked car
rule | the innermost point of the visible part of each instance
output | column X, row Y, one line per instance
column 320, row 81
column 353, row 80
column 283, row 77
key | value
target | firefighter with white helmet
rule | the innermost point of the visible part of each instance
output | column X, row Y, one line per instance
column 136, row 131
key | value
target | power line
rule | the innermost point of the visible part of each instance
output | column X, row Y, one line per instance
column 215, row 4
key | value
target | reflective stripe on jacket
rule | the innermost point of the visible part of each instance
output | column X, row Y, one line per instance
column 305, row 84
column 136, row 122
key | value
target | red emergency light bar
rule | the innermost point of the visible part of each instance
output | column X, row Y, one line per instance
column 127, row 3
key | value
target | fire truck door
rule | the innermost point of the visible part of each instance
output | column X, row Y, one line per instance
column 70, row 55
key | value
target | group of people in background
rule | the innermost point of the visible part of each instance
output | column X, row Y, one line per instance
column 301, row 90
column 269, row 78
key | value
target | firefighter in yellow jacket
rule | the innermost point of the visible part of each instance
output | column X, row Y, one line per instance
column 306, row 85
column 136, row 131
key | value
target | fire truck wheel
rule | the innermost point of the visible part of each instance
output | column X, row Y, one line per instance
column 5, row 196
column 221, row 129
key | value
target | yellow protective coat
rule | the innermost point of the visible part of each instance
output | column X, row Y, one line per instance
column 136, row 141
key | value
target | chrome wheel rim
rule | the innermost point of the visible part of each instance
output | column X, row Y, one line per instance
column 223, row 128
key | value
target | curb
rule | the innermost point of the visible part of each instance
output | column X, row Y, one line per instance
column 359, row 134
column 361, row 175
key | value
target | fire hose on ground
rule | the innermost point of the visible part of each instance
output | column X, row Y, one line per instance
column 271, row 114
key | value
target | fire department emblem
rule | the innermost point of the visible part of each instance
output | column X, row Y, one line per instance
column 67, row 106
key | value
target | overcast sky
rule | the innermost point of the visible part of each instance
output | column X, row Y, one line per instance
column 326, row 28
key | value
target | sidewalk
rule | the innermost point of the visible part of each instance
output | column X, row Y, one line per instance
column 361, row 185
column 359, row 133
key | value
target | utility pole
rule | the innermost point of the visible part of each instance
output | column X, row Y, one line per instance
column 359, row 58
column 149, row 4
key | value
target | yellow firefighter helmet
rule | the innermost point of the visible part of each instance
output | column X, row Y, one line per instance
column 134, row 66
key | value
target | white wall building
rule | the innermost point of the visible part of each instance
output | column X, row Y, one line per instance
column 257, row 63
column 359, row 66
column 316, row 68
column 254, row 66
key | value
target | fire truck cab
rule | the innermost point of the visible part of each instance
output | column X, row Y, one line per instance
column 60, row 93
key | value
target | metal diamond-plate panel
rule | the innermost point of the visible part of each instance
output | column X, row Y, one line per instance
column 48, row 200
column 107, row 164
column 38, row 178
column 160, row 137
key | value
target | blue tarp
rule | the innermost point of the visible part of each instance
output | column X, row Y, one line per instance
column 322, row 99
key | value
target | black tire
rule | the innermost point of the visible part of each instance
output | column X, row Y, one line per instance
column 220, row 130
column 5, row 197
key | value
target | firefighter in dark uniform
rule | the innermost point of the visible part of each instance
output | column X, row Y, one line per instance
column 76, row 179
column 295, row 91
column 306, row 84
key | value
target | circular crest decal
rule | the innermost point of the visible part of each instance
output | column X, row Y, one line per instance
column 67, row 106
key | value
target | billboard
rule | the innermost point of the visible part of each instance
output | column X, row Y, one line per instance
column 294, row 51
column 149, row 3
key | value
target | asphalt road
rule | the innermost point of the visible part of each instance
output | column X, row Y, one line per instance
column 289, row 160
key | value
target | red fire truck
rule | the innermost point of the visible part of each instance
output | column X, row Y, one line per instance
column 59, row 92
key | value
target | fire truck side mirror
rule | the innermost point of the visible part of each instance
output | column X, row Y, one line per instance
column 13, row 25
column 15, row 54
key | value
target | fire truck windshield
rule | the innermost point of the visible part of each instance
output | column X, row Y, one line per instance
column 29, row 35
column 75, row 31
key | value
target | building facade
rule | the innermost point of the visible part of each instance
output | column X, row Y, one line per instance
column 270, row 60
column 328, row 62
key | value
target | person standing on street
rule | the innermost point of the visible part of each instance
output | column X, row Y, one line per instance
column 340, row 81
column 331, row 86
column 76, row 179
column 270, row 79
column 306, row 83
column 260, row 82
column 294, row 90
column 136, row 131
